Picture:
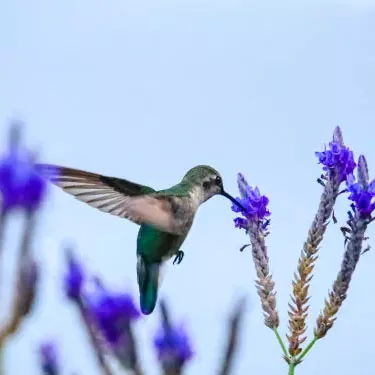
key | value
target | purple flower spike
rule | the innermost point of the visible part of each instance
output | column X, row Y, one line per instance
column 362, row 193
column 254, row 203
column 112, row 311
column 20, row 185
column 74, row 277
column 48, row 358
column 338, row 159
column 173, row 345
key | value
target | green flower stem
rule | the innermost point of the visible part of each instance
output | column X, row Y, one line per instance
column 292, row 366
column 283, row 347
column 294, row 361
column 307, row 349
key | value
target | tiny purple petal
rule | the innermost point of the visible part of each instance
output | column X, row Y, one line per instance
column 241, row 223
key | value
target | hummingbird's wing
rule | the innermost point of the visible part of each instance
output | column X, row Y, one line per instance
column 113, row 195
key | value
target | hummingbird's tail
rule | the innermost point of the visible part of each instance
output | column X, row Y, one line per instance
column 148, row 280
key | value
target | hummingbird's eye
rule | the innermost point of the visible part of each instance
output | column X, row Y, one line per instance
column 218, row 180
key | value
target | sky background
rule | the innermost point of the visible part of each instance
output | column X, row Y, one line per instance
column 145, row 90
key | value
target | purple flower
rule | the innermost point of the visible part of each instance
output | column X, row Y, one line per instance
column 254, row 203
column 173, row 345
column 338, row 159
column 362, row 194
column 48, row 358
column 112, row 312
column 20, row 185
column 74, row 277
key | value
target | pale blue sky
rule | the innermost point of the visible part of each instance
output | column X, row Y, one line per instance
column 145, row 90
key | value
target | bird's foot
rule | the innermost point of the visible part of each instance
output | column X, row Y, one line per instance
column 179, row 256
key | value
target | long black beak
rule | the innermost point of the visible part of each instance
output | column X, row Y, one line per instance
column 226, row 195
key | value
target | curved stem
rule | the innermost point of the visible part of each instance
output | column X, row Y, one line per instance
column 279, row 339
column 307, row 349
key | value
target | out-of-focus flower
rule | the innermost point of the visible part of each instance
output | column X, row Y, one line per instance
column 338, row 159
column 48, row 358
column 173, row 345
column 74, row 277
column 20, row 185
column 254, row 203
column 112, row 311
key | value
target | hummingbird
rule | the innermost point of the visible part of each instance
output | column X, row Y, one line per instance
column 164, row 216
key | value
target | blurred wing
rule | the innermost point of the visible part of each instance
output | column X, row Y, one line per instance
column 116, row 196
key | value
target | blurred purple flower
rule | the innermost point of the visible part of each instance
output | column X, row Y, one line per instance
column 74, row 277
column 112, row 312
column 173, row 345
column 20, row 185
column 254, row 203
column 338, row 158
column 48, row 358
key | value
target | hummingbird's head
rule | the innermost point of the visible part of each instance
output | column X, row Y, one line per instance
column 207, row 182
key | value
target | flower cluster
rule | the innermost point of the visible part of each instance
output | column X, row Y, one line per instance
column 254, row 203
column 362, row 196
column 338, row 160
column 20, row 185
column 112, row 311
